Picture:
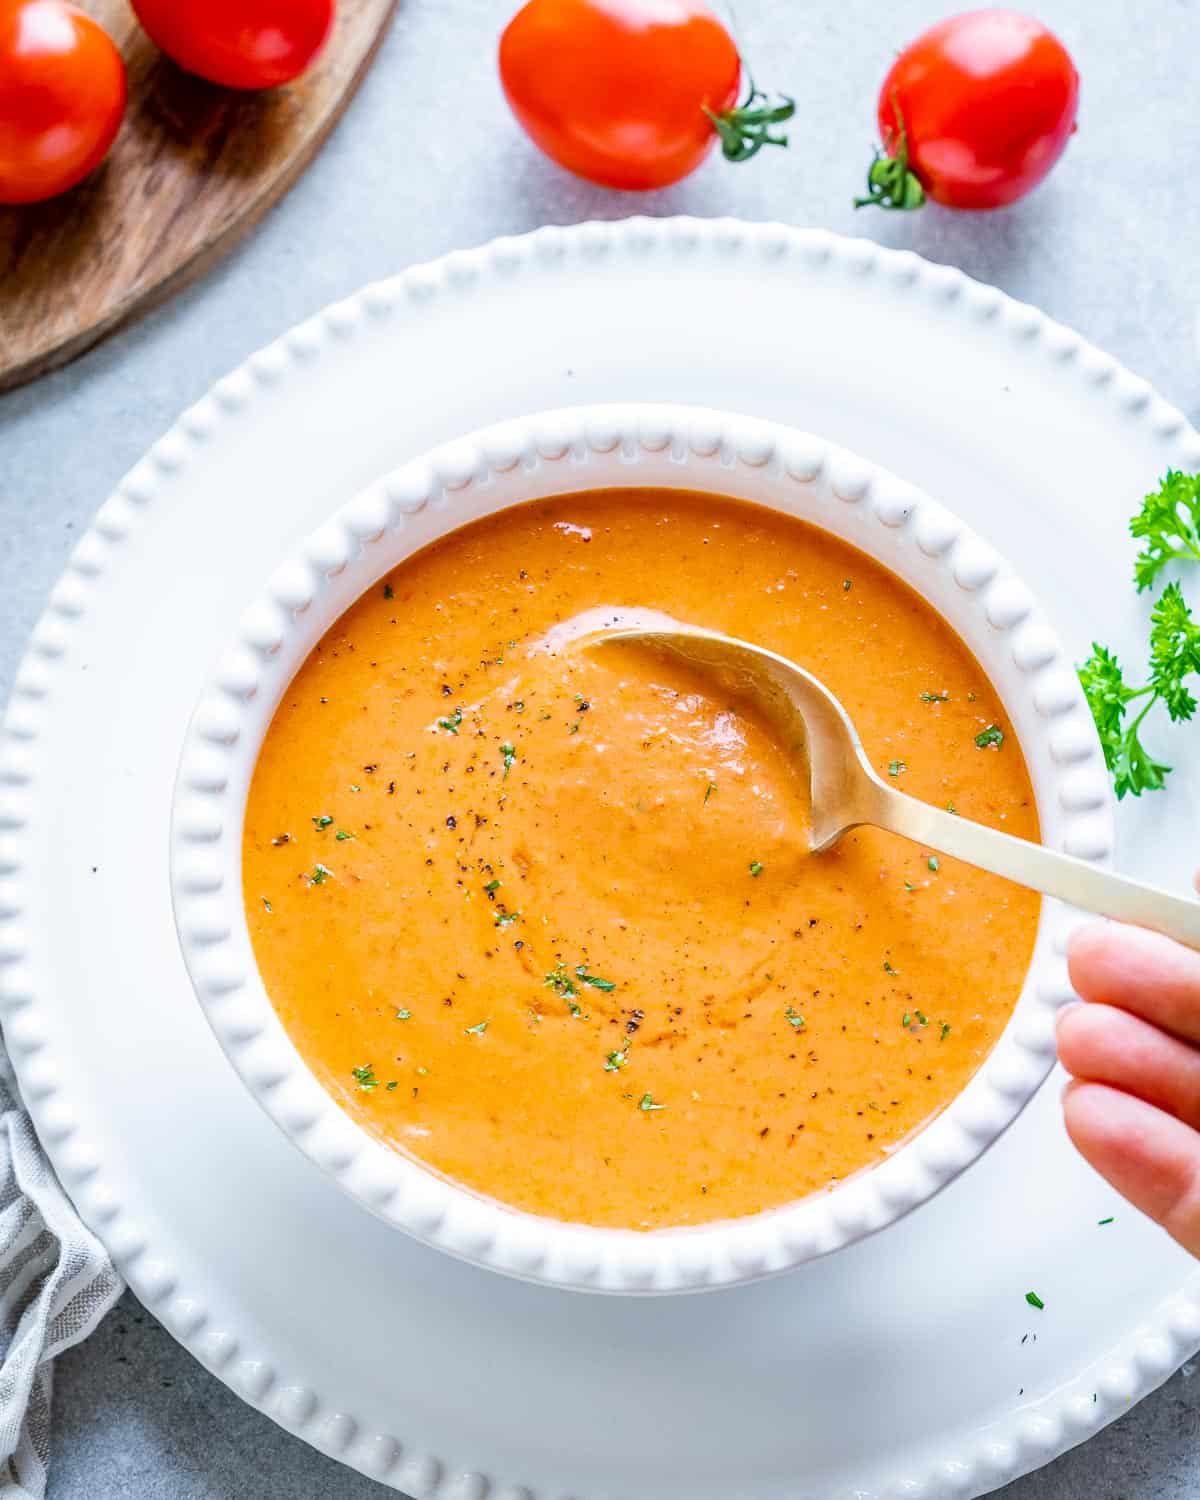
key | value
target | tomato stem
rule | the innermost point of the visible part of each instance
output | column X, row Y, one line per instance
column 746, row 128
column 890, row 181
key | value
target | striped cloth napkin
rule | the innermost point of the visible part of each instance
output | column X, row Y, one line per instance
column 56, row 1283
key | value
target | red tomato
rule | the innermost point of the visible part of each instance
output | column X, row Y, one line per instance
column 243, row 44
column 631, row 93
column 974, row 113
column 62, row 96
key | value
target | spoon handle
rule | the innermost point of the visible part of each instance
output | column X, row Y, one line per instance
column 1046, row 870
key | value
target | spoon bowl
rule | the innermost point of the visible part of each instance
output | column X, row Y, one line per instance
column 846, row 791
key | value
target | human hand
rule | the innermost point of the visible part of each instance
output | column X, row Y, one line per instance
column 1132, row 1107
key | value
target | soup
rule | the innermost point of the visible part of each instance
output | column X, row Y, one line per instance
column 543, row 917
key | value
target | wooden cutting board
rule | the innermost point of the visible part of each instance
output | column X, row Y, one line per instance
column 194, row 167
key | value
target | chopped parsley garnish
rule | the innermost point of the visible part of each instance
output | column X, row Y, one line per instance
column 906, row 1020
column 320, row 875
column 908, row 886
column 1169, row 524
column 922, row 1017
column 756, row 868
column 403, row 1015
column 646, row 1104
column 492, row 886
column 574, row 729
column 933, row 863
column 509, row 755
column 708, row 791
column 615, row 1061
column 476, row 1030
column 887, row 967
column 794, row 1019
column 950, row 807
column 935, row 697
column 354, row 788
column 391, row 1086
column 1034, row 1300
column 519, row 705
column 388, row 591
column 993, row 735
column 507, row 918
column 945, row 1031
column 896, row 768
column 450, row 725
column 1109, row 1220
column 594, row 980
column 341, row 835
column 267, row 905
column 559, row 981
column 322, row 822
column 365, row 1078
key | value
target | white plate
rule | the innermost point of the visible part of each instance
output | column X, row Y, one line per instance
column 899, row 1366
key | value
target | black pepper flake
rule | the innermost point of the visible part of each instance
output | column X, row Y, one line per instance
column 370, row 770
column 391, row 789
column 447, row 690
column 451, row 821
column 282, row 838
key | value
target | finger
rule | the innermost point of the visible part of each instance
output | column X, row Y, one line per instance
column 1149, row 1157
column 1103, row 1045
column 1140, row 972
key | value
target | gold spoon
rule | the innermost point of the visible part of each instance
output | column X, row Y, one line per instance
column 846, row 791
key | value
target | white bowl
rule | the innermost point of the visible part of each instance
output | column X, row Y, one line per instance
column 594, row 448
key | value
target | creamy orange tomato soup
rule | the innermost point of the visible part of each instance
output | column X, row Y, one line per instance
column 544, row 919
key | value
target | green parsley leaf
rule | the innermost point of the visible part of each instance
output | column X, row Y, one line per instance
column 708, row 791
column 933, row 863
column 506, row 918
column 922, row 1017
column 492, row 886
column 320, row 875
column 574, row 729
column 646, row 1104
column 322, row 822
column 450, row 725
column 267, row 905
column 594, row 980
column 794, row 1019
column 365, row 1078
column 993, row 735
column 404, row 1015
column 756, row 868
column 906, row 1020
column 509, row 755
column 1034, row 1300
column 476, row 1030
column 615, row 1061
column 908, row 886
column 896, row 768
column 1169, row 524
column 935, row 697
column 354, row 788
column 391, row 1086
column 1109, row 1220
column 887, row 967
column 945, row 1031
column 341, row 835
column 1133, row 769
column 388, row 591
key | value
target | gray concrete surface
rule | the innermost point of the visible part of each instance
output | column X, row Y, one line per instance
column 428, row 159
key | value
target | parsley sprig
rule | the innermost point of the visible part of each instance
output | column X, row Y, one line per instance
column 1169, row 524
column 1174, row 657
